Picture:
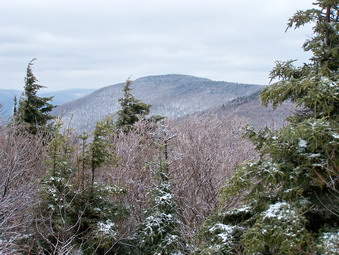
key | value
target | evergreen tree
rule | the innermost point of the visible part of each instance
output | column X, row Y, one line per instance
column 289, row 196
column 57, row 220
column 74, row 216
column 33, row 111
column 101, row 213
column 100, row 209
column 15, row 102
column 159, row 232
column 99, row 148
column 132, row 109
column 83, row 159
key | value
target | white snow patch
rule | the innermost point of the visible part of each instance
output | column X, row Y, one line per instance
column 177, row 253
column 314, row 155
column 226, row 231
column 222, row 227
column 244, row 209
column 165, row 197
column 280, row 210
column 330, row 242
column 106, row 228
column 327, row 82
column 302, row 143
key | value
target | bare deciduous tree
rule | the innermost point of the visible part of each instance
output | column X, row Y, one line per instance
column 20, row 169
column 134, row 150
column 202, row 153
column 202, row 157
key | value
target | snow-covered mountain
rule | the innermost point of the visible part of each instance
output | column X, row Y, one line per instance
column 170, row 95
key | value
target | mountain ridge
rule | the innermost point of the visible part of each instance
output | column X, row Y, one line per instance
column 171, row 95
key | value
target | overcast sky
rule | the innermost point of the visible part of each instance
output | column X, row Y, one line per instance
column 92, row 44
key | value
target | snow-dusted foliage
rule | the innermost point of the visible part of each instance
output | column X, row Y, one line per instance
column 292, row 190
column 56, row 217
column 98, row 227
column 224, row 239
column 281, row 227
column 132, row 109
column 159, row 232
column 74, row 212
column 329, row 242
column 220, row 235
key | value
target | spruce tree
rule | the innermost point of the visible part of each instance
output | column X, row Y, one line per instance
column 132, row 109
column 289, row 196
column 33, row 111
column 159, row 232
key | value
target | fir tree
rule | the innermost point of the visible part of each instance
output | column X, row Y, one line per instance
column 132, row 109
column 159, row 232
column 33, row 111
column 290, row 195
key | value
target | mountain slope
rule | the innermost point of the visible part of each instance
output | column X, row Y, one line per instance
column 170, row 95
column 250, row 108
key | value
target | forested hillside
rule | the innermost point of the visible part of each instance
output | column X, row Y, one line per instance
column 250, row 109
column 171, row 96
column 201, row 184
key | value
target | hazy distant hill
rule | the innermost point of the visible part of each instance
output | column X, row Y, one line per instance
column 6, row 99
column 60, row 97
column 64, row 96
column 170, row 95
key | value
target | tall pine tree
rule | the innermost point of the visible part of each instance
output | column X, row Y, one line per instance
column 33, row 111
column 289, row 196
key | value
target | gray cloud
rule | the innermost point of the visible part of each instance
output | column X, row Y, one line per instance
column 97, row 43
